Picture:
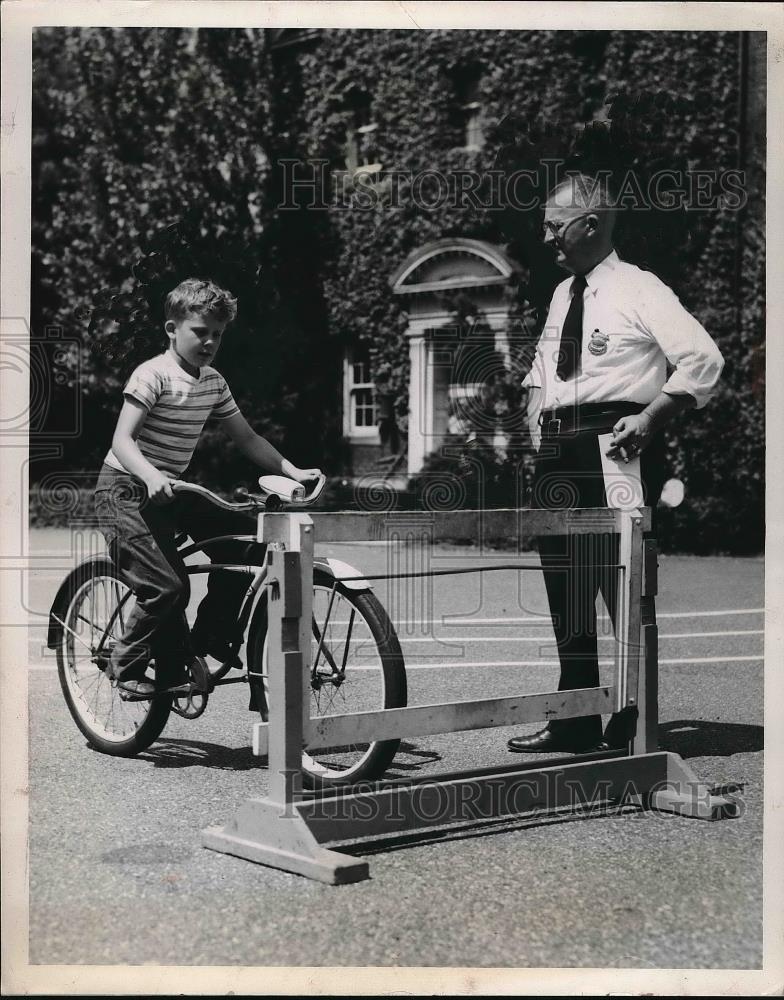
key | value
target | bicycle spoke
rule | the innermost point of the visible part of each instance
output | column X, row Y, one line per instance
column 326, row 625
column 98, row 609
column 348, row 674
column 322, row 648
column 348, row 640
column 72, row 632
column 120, row 605
column 90, row 683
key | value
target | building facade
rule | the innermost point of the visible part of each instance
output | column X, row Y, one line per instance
column 385, row 135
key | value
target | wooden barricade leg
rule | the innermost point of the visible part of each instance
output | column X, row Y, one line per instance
column 621, row 728
column 271, row 830
column 646, row 739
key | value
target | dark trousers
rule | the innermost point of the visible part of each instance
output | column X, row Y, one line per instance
column 388, row 434
column 568, row 474
column 141, row 540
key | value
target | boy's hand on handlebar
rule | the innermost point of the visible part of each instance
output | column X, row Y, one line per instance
column 305, row 475
column 159, row 488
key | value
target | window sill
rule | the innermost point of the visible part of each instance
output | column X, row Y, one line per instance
column 363, row 436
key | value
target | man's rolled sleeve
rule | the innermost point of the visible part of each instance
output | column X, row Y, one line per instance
column 688, row 346
column 535, row 377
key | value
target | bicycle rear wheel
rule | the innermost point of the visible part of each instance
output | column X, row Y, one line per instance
column 357, row 666
column 95, row 608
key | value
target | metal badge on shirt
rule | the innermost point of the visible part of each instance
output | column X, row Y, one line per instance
column 598, row 343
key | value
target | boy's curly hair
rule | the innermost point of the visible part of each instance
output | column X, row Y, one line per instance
column 200, row 296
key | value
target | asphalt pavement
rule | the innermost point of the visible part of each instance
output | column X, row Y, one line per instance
column 117, row 874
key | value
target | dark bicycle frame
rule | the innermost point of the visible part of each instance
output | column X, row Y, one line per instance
column 257, row 571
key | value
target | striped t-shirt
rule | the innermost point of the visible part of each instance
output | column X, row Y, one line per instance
column 178, row 406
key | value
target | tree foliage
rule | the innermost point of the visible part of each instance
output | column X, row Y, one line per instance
column 158, row 153
column 150, row 165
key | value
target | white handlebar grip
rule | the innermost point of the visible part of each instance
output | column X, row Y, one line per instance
column 286, row 489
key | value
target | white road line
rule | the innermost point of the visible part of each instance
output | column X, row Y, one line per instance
column 544, row 619
column 554, row 663
column 466, row 640
column 472, row 664
column 711, row 614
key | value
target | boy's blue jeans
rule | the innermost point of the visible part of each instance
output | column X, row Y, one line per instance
column 140, row 536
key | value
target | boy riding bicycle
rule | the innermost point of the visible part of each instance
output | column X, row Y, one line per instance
column 167, row 401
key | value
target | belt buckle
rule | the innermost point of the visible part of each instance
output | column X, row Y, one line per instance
column 554, row 426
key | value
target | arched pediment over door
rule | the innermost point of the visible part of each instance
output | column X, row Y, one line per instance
column 433, row 277
column 452, row 263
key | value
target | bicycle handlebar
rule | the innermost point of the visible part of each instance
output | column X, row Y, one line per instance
column 178, row 486
column 267, row 500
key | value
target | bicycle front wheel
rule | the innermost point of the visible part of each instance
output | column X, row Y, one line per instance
column 356, row 666
column 96, row 606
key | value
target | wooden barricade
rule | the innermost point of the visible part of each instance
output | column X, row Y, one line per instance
column 288, row 828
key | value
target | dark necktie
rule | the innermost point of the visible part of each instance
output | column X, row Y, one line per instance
column 571, row 345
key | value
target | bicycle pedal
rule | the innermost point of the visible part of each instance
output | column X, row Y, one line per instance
column 129, row 696
column 190, row 705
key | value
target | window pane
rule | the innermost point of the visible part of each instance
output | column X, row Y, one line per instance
column 474, row 134
column 361, row 372
column 364, row 414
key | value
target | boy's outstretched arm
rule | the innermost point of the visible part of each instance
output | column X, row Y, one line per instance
column 125, row 448
column 261, row 452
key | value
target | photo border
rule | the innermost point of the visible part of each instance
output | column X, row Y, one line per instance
column 19, row 18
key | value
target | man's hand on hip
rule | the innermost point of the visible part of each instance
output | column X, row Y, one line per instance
column 630, row 435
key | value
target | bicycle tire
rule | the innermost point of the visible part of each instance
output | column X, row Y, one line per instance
column 111, row 725
column 378, row 756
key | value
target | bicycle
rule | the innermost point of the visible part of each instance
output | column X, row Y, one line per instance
column 356, row 660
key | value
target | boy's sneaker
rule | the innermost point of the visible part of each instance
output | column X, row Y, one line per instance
column 135, row 690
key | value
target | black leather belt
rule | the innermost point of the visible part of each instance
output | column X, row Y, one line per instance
column 594, row 417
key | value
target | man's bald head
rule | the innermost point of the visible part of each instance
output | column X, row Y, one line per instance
column 579, row 219
column 581, row 193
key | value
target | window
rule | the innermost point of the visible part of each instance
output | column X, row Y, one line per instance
column 359, row 413
column 469, row 108
column 361, row 151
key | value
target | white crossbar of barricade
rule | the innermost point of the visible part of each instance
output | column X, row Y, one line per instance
column 280, row 830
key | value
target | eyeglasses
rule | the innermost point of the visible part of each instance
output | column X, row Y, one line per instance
column 558, row 229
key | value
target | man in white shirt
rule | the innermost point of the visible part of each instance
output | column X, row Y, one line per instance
column 612, row 334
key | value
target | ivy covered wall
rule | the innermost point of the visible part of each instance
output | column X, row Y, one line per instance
column 134, row 129
column 714, row 259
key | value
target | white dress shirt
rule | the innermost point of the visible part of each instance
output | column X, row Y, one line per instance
column 633, row 324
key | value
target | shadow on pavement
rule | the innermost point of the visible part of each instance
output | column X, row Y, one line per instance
column 193, row 753
column 697, row 738
column 402, row 768
column 190, row 753
column 488, row 828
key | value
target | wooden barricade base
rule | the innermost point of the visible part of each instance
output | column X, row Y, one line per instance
column 290, row 836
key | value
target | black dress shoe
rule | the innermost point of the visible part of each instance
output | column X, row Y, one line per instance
column 546, row 741
column 209, row 643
